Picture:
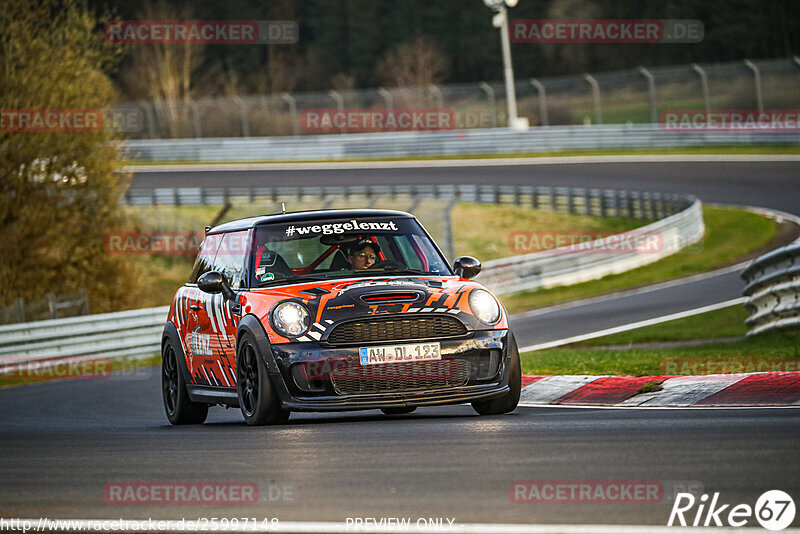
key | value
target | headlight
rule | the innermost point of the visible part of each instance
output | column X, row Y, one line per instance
column 290, row 319
column 484, row 306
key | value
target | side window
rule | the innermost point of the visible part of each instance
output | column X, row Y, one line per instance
column 205, row 259
column 230, row 257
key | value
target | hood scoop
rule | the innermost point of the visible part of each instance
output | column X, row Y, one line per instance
column 388, row 297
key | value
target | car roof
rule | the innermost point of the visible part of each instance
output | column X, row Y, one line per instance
column 314, row 215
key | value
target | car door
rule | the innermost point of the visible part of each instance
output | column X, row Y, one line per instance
column 210, row 330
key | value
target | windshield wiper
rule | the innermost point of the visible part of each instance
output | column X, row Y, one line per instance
column 404, row 270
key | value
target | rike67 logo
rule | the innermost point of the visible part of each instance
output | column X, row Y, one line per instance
column 774, row 510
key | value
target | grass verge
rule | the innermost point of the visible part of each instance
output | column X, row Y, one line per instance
column 731, row 234
column 724, row 323
column 777, row 351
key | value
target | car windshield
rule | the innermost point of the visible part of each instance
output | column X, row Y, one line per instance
column 343, row 247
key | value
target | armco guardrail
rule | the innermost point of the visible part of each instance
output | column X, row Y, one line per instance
column 572, row 200
column 773, row 290
column 449, row 143
column 134, row 333
column 589, row 261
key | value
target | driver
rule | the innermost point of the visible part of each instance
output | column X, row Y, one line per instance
column 363, row 254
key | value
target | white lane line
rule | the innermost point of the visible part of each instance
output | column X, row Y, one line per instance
column 632, row 292
column 548, row 389
column 685, row 390
column 633, row 326
column 175, row 525
column 482, row 162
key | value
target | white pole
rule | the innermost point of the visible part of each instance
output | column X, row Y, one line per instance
column 511, row 96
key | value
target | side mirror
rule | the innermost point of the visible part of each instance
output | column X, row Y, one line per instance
column 213, row 282
column 467, row 267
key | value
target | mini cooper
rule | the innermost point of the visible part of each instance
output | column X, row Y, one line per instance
column 333, row 310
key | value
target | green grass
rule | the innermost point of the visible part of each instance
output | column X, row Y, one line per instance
column 693, row 150
column 731, row 234
column 774, row 351
column 489, row 232
column 725, row 323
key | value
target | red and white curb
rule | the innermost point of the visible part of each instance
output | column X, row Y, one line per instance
column 742, row 389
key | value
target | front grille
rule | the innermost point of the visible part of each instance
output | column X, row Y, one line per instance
column 400, row 377
column 397, row 328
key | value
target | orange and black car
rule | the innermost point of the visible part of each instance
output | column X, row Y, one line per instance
column 333, row 310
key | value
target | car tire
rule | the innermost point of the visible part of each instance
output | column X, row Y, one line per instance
column 257, row 398
column 507, row 402
column 400, row 410
column 179, row 408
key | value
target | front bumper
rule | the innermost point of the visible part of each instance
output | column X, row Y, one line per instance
column 482, row 361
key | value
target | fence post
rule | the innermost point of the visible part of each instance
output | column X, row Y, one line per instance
column 704, row 84
column 243, row 115
column 151, row 120
column 339, row 101
column 289, row 99
column 387, row 97
column 20, row 305
column 757, row 82
column 448, row 229
column 437, row 95
column 51, row 304
column 490, row 94
column 598, row 111
column 542, row 101
column 198, row 132
column 651, row 91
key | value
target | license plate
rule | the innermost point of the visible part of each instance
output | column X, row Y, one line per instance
column 414, row 352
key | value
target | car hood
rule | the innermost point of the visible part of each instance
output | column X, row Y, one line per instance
column 337, row 301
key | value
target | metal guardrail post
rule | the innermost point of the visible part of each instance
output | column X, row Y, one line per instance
column 492, row 97
column 704, row 85
column 542, row 95
column 598, row 111
column 651, row 92
column 289, row 99
column 757, row 81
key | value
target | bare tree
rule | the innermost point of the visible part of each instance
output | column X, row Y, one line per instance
column 418, row 62
column 164, row 72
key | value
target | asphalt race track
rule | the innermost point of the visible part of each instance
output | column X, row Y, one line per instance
column 62, row 443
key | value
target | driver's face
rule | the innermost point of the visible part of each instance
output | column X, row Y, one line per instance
column 363, row 259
